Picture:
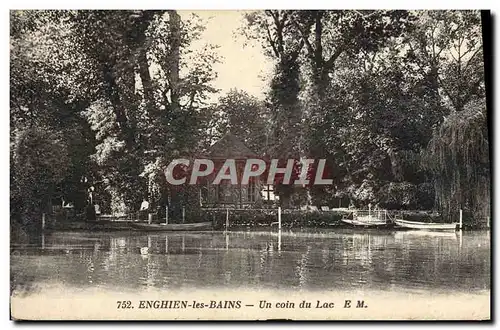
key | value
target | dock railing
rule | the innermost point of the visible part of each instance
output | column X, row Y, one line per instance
column 371, row 215
column 137, row 216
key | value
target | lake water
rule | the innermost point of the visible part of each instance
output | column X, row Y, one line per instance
column 340, row 259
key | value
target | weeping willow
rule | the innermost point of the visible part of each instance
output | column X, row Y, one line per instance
column 458, row 158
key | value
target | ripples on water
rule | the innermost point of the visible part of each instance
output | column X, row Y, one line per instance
column 404, row 261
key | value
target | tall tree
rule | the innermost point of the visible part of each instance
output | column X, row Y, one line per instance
column 39, row 163
column 447, row 48
column 329, row 36
column 458, row 157
column 280, row 38
column 126, row 76
column 47, row 92
column 243, row 115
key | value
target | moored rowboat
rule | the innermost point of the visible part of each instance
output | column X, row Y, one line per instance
column 425, row 225
column 172, row 226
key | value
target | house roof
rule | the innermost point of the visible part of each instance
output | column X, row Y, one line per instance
column 229, row 146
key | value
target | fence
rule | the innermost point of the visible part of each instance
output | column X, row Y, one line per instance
column 371, row 215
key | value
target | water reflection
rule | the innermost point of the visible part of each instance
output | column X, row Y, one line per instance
column 341, row 259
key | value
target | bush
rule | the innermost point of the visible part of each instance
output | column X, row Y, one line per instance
column 265, row 217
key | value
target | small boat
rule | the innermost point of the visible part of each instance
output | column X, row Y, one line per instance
column 368, row 224
column 360, row 219
column 172, row 226
column 425, row 225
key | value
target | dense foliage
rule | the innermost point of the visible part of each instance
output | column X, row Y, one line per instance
column 458, row 156
column 375, row 88
column 102, row 101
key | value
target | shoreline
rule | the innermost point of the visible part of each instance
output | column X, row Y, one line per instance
column 126, row 226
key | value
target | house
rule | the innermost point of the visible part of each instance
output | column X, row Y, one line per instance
column 227, row 194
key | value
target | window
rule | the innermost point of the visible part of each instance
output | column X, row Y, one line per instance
column 268, row 193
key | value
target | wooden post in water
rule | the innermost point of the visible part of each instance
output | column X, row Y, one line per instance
column 279, row 239
column 166, row 215
column 150, row 218
column 183, row 214
column 488, row 222
column 460, row 223
column 460, row 240
column 43, row 221
column 227, row 219
column 279, row 217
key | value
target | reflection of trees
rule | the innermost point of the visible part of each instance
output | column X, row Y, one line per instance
column 302, row 267
column 315, row 260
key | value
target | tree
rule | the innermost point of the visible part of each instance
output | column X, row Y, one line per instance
column 47, row 92
column 149, row 126
column 113, row 80
column 329, row 34
column 244, row 116
column 384, row 119
column 281, row 41
column 330, row 38
column 447, row 48
column 458, row 157
column 39, row 163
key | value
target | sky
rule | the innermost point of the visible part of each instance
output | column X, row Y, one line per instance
column 242, row 67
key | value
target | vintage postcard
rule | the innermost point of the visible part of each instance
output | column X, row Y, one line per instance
column 250, row 165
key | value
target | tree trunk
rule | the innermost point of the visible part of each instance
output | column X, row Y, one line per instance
column 112, row 90
column 145, row 78
column 173, row 61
